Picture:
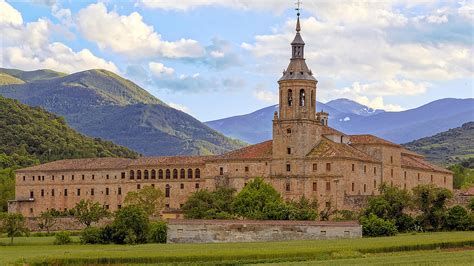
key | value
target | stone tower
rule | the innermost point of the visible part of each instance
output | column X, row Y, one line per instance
column 295, row 128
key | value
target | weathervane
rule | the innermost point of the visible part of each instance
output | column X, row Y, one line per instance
column 298, row 8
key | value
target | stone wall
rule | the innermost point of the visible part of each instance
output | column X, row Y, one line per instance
column 62, row 224
column 214, row 231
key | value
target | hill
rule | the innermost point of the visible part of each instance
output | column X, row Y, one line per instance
column 449, row 147
column 29, row 76
column 353, row 118
column 101, row 104
column 6, row 79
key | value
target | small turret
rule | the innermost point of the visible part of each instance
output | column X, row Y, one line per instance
column 322, row 117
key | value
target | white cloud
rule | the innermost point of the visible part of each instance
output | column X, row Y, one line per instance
column 9, row 15
column 27, row 46
column 387, row 88
column 378, row 103
column 179, row 107
column 264, row 95
column 159, row 69
column 130, row 36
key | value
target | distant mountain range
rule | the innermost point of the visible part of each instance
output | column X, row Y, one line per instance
column 101, row 104
column 353, row 118
column 448, row 147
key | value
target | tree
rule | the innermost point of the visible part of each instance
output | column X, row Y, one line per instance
column 256, row 200
column 13, row 224
column 7, row 186
column 457, row 218
column 46, row 220
column 130, row 226
column 303, row 209
column 204, row 204
column 376, row 226
column 390, row 204
column 431, row 201
column 150, row 199
column 459, row 175
column 470, row 205
column 88, row 212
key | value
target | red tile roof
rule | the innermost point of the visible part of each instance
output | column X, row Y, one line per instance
column 331, row 131
column 419, row 163
column 81, row 164
column 170, row 160
column 261, row 150
column 371, row 139
column 328, row 149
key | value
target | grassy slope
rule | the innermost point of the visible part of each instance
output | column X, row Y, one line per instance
column 6, row 79
column 29, row 76
column 447, row 147
column 42, row 250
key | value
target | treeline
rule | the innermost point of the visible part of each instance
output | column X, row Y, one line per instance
column 30, row 136
column 463, row 174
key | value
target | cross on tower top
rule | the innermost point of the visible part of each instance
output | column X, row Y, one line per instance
column 298, row 7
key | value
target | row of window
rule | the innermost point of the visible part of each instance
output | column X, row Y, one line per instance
column 165, row 174
column 302, row 98
column 73, row 177
column 107, row 191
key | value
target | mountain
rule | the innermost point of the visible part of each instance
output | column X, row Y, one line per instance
column 351, row 107
column 28, row 76
column 448, row 147
column 31, row 135
column 352, row 118
column 101, row 104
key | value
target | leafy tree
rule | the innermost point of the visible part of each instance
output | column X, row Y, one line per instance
column 376, row 226
column 204, row 204
column 13, row 224
column 130, row 226
column 158, row 232
column 431, row 201
column 303, row 209
column 46, row 220
column 150, row 199
column 390, row 204
column 88, row 212
column 470, row 205
column 62, row 238
column 457, row 218
column 459, row 176
column 256, row 200
column 7, row 187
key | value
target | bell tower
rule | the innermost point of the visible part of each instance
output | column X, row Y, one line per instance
column 295, row 127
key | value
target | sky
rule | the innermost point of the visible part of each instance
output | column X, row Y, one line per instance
column 220, row 58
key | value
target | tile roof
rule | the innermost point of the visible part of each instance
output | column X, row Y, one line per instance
column 261, row 150
column 170, row 160
column 370, row 139
column 81, row 164
column 417, row 162
column 329, row 149
column 331, row 131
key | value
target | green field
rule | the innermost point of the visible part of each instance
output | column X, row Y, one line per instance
column 427, row 247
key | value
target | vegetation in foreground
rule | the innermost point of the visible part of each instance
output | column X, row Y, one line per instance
column 43, row 251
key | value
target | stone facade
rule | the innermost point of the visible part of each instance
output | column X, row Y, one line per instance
column 215, row 231
column 305, row 157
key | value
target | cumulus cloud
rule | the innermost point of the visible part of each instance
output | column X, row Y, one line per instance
column 27, row 46
column 265, row 95
column 378, row 103
column 130, row 35
column 196, row 83
column 159, row 69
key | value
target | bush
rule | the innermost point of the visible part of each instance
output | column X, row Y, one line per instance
column 92, row 235
column 62, row 238
column 405, row 223
column 158, row 232
column 457, row 218
column 375, row 226
column 131, row 226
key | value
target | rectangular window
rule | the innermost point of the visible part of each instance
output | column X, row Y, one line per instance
column 365, row 168
column 119, row 207
column 391, row 172
column 288, row 150
column 288, row 167
column 181, row 186
column 315, row 186
column 221, row 171
column 246, row 168
column 167, row 191
column 78, row 191
column 328, row 166
column 123, row 176
column 107, row 176
column 353, row 186
column 93, row 177
column 92, row 192
column 365, row 188
column 431, row 178
column 391, row 159
column 52, row 192
column 139, row 186
column 72, row 177
column 62, row 177
column 315, row 167
column 288, row 187
column 32, row 194
column 119, row 191
column 375, row 170
column 42, row 193
column 419, row 177
column 405, row 175
column 24, row 178
column 107, row 207
column 353, row 167
column 197, row 185
column 106, row 191
column 83, row 177
column 65, row 192
column 375, row 183
column 52, row 178
column 328, row 185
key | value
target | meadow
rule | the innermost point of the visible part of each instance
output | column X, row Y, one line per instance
column 405, row 247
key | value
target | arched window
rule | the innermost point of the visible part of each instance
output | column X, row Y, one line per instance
column 160, row 174
column 290, row 97
column 175, row 173
column 168, row 174
column 182, row 173
column 132, row 174
column 198, row 173
column 153, row 174
column 139, row 174
column 190, row 173
column 302, row 98
column 167, row 191
column 145, row 174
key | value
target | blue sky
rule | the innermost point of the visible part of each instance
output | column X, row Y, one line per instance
column 218, row 58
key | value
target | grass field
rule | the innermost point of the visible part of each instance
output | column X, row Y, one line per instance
column 37, row 250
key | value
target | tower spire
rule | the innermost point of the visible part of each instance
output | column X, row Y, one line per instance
column 298, row 8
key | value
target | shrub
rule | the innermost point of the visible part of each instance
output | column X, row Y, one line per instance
column 405, row 223
column 375, row 226
column 470, row 205
column 92, row 235
column 62, row 238
column 130, row 226
column 457, row 218
column 158, row 232
column 346, row 215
